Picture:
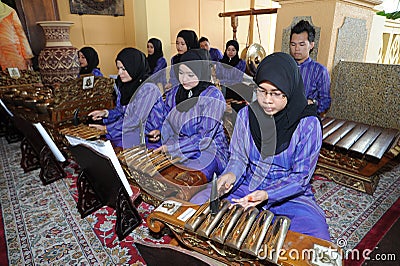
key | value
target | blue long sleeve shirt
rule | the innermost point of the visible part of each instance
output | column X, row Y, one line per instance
column 159, row 73
column 316, row 83
column 215, row 54
column 197, row 133
column 146, row 108
column 230, row 76
column 285, row 176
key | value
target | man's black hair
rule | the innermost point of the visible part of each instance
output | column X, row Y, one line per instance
column 304, row 26
column 203, row 39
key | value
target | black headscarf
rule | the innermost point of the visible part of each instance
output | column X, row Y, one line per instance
column 281, row 70
column 136, row 64
column 198, row 60
column 92, row 60
column 158, row 53
column 191, row 41
column 234, row 60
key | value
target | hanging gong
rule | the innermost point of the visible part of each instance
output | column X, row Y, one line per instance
column 255, row 54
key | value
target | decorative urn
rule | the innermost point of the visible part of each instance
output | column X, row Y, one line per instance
column 58, row 61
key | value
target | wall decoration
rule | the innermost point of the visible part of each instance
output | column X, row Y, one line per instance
column 97, row 7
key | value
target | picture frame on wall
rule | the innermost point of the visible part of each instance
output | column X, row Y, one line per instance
column 97, row 7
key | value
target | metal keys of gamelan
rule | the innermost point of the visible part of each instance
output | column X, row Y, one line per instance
column 212, row 221
column 226, row 224
column 275, row 238
column 247, row 231
column 259, row 229
column 238, row 234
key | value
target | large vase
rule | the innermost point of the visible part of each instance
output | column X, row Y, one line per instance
column 58, row 61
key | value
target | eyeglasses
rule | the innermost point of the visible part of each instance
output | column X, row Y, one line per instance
column 273, row 94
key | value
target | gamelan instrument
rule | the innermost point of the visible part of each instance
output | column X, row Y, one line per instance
column 159, row 175
column 54, row 106
column 353, row 152
column 82, row 131
column 146, row 161
column 254, row 55
column 239, row 236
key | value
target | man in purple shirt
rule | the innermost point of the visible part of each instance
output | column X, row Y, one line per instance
column 315, row 76
column 215, row 54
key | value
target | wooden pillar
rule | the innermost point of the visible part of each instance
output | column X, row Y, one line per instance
column 234, row 24
column 251, row 23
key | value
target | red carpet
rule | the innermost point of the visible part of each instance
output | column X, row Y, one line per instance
column 3, row 246
column 375, row 235
column 44, row 227
column 103, row 222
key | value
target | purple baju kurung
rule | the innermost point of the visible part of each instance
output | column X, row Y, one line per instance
column 173, row 80
column 316, row 83
column 215, row 54
column 159, row 73
column 145, row 108
column 285, row 176
column 230, row 76
column 197, row 136
column 97, row 73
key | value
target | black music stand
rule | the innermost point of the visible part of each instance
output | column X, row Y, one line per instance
column 7, row 129
column 36, row 153
column 99, row 185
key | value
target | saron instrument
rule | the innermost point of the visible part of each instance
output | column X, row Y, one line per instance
column 239, row 236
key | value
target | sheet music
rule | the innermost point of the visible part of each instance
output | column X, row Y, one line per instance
column 49, row 141
column 105, row 148
column 5, row 108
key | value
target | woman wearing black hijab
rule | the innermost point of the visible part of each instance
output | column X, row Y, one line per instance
column 193, row 129
column 230, row 71
column 157, row 62
column 89, row 61
column 275, row 148
column 185, row 40
column 138, row 103
column 155, row 55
